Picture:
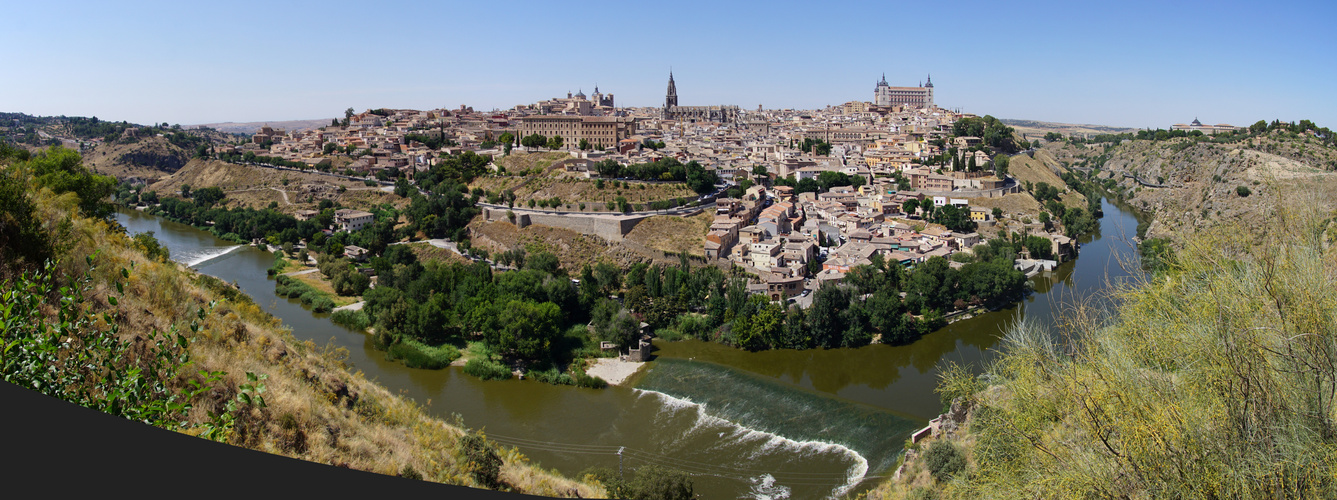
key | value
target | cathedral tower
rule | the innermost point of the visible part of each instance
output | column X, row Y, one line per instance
column 671, row 99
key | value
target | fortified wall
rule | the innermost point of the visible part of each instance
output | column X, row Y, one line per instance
column 608, row 227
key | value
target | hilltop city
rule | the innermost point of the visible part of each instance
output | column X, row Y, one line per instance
column 798, row 197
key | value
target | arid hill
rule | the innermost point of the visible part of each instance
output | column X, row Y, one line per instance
column 149, row 159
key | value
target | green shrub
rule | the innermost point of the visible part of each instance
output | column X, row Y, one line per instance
column 321, row 304
column 356, row 320
column 551, row 376
column 416, row 354
column 668, row 334
column 279, row 264
column 1242, row 191
column 487, row 369
column 592, row 382
column 480, row 460
column 944, row 460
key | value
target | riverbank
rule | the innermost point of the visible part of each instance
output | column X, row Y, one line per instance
column 613, row 370
column 315, row 408
column 688, row 425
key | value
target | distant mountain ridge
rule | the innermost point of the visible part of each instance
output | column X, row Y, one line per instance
column 253, row 127
column 1039, row 128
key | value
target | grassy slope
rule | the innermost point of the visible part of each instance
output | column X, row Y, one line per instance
column 256, row 187
column 317, row 409
column 1212, row 380
column 674, row 234
column 1203, row 178
column 554, row 182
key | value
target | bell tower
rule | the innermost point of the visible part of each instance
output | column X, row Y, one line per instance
column 671, row 99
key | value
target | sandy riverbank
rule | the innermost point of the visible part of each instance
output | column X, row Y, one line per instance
column 613, row 370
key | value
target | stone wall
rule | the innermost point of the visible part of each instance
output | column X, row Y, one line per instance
column 611, row 228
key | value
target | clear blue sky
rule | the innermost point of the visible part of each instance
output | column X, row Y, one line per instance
column 1133, row 63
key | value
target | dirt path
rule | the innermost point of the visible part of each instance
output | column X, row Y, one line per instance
column 285, row 196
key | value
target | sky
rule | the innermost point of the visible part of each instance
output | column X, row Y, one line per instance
column 1128, row 64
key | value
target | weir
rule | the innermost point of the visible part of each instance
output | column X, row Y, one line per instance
column 809, row 421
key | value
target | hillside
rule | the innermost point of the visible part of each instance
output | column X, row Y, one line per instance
column 547, row 180
column 674, row 234
column 1214, row 379
column 257, row 187
column 1211, row 379
column 1034, row 128
column 249, row 128
column 313, row 407
column 1203, row 178
column 149, row 158
column 575, row 250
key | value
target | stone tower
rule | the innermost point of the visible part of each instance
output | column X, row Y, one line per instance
column 882, row 92
column 929, row 86
column 671, row 99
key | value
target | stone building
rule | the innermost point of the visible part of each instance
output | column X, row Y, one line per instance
column 601, row 131
column 885, row 95
column 694, row 114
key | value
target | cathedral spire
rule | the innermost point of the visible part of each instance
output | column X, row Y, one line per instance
column 671, row 98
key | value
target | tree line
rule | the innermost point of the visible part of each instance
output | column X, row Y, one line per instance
column 697, row 177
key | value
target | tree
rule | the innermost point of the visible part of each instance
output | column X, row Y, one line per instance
column 206, row 197
column 997, row 213
column 534, row 141
column 1242, row 191
column 759, row 171
column 555, row 142
column 546, row 262
column 527, row 329
column 654, row 482
column 910, row 205
column 185, row 190
column 23, row 240
column 584, row 145
column 1000, row 164
column 826, row 318
column 329, row 148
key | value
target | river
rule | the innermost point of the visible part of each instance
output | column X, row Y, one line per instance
column 772, row 424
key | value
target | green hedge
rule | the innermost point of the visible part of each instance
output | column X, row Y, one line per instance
column 356, row 320
column 415, row 354
column 487, row 369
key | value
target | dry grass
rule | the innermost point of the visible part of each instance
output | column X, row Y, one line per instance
column 1200, row 383
column 554, row 182
column 1015, row 204
column 257, row 187
column 323, row 285
column 137, row 159
column 317, row 410
column 674, row 234
column 425, row 252
column 574, row 250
